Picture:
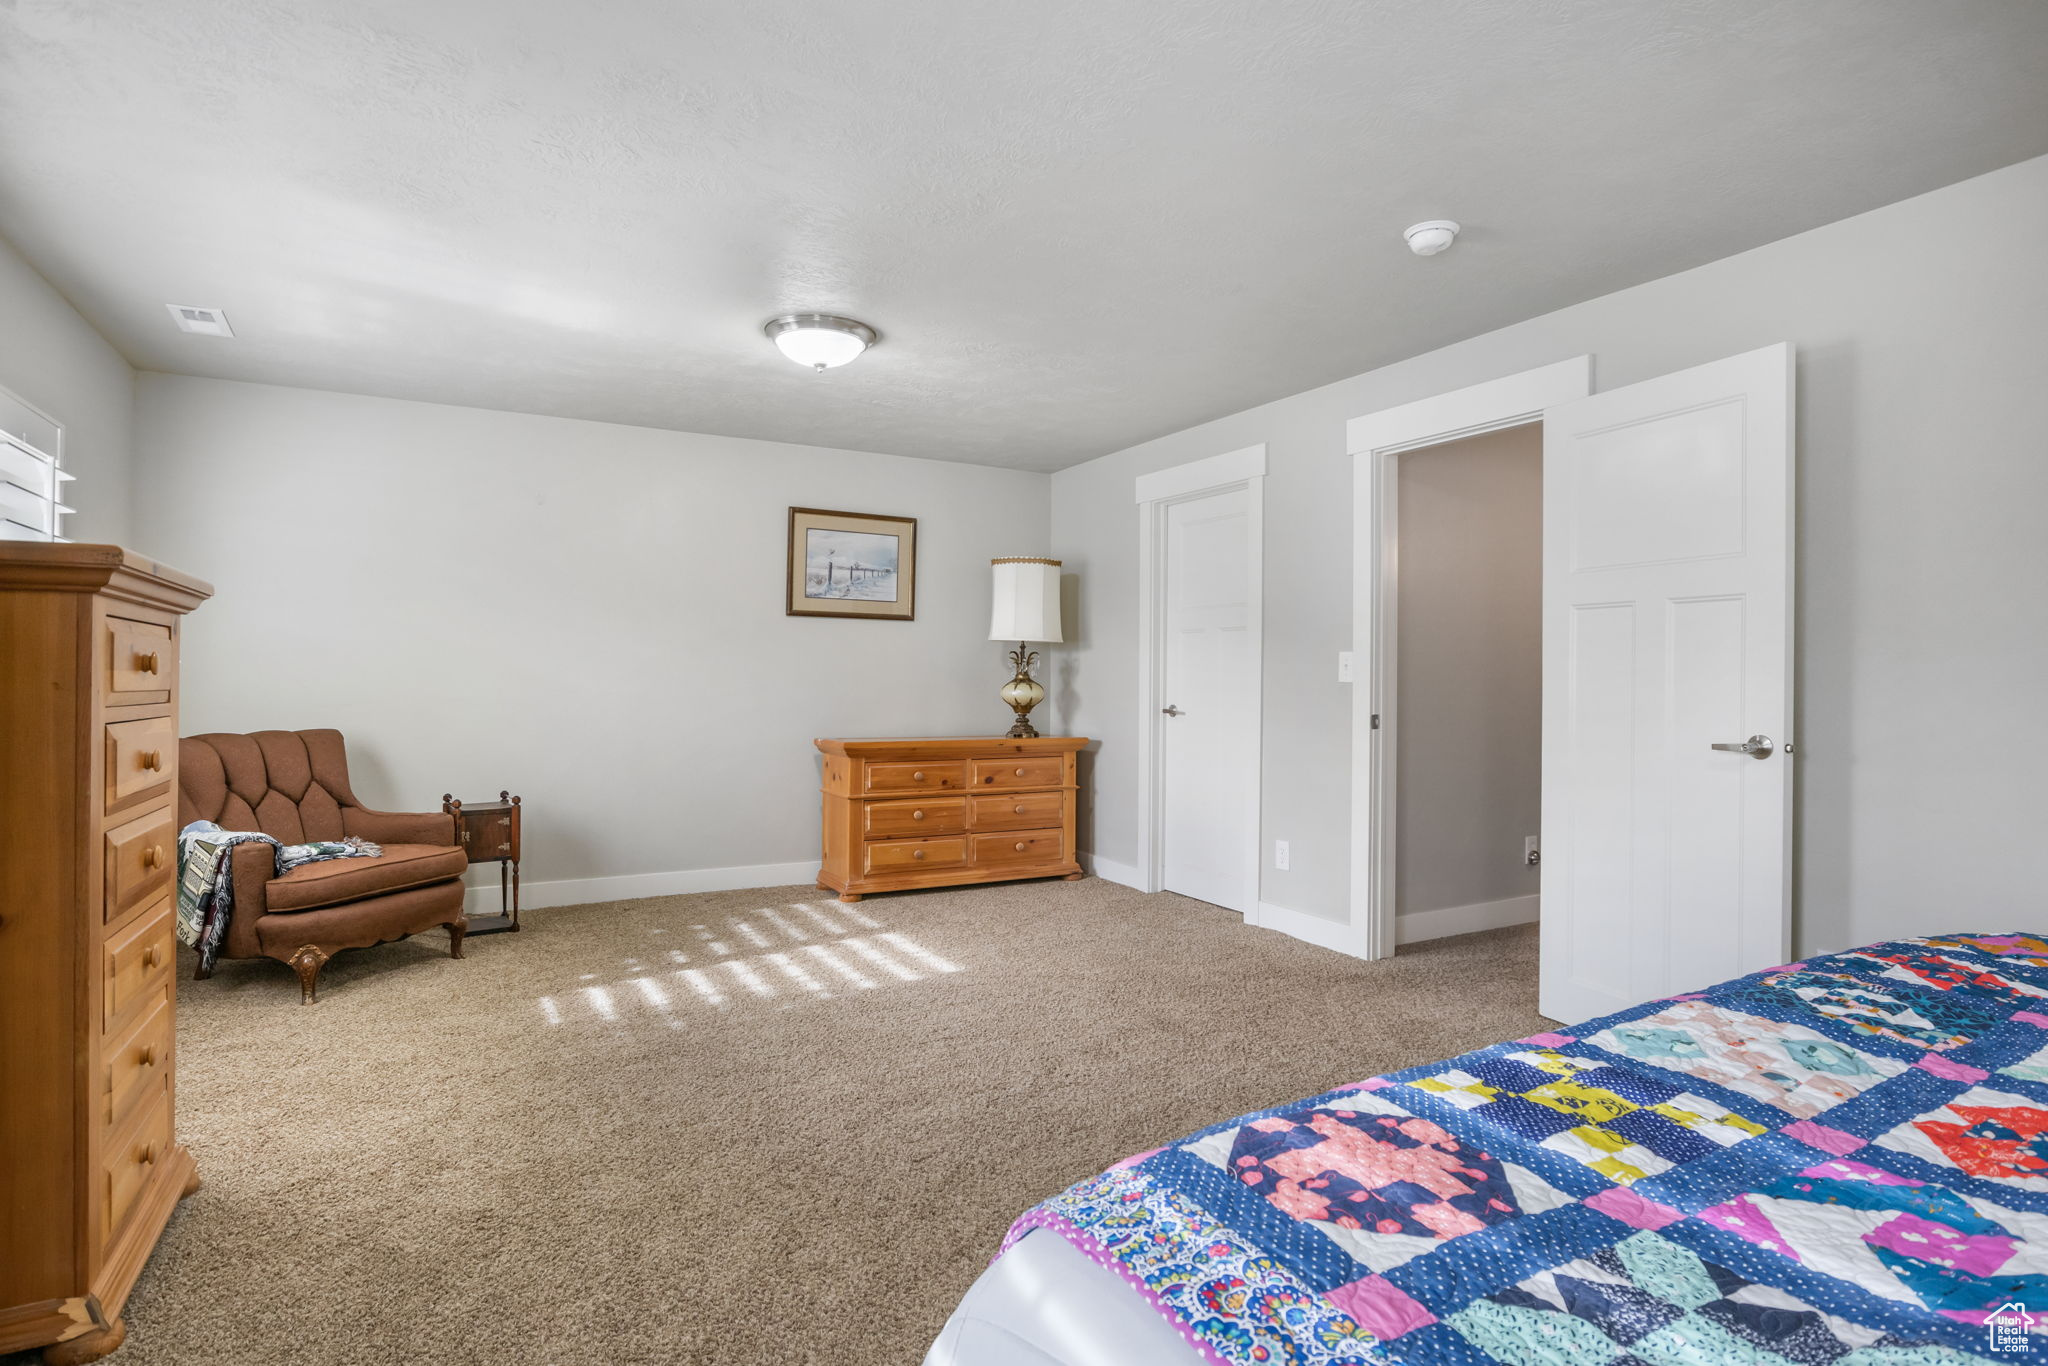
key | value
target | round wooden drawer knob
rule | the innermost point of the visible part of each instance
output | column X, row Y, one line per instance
column 1018, row 809
column 152, row 856
column 149, row 956
column 917, row 853
column 918, row 776
column 1020, row 772
column 153, row 759
column 1020, row 846
column 148, row 1058
column 147, row 1157
column 917, row 815
column 146, row 664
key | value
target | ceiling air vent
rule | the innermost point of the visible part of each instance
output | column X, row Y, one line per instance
column 207, row 322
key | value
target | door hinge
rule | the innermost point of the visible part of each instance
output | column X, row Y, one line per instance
column 1375, row 720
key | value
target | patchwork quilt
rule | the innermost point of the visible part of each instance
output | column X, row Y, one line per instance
column 1838, row 1162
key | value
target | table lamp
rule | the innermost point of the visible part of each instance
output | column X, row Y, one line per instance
column 1027, row 610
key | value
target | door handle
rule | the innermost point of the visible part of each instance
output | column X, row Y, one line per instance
column 1171, row 711
column 1756, row 747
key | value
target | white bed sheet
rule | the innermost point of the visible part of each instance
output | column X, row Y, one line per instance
column 1043, row 1303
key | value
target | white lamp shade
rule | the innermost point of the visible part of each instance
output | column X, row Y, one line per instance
column 1027, row 600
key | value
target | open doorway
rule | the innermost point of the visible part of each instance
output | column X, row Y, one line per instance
column 1666, row 628
column 1463, row 640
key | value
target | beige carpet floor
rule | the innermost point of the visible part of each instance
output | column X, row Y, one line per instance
column 738, row 1127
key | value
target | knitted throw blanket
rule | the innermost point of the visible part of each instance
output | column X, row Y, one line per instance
column 206, row 895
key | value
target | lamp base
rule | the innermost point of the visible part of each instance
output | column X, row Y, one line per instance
column 1022, row 692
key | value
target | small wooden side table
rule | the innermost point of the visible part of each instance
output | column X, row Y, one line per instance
column 489, row 833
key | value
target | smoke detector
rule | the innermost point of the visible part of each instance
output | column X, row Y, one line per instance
column 1427, row 239
column 207, row 322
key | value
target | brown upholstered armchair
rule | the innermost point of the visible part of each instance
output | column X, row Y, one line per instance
column 293, row 786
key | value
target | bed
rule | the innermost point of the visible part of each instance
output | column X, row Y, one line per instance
column 1836, row 1162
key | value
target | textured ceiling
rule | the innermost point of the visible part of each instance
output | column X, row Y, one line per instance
column 1077, row 225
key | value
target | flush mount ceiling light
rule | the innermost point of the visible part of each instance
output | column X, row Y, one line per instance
column 1427, row 239
column 819, row 340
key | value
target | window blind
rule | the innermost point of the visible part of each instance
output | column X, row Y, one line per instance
column 32, row 475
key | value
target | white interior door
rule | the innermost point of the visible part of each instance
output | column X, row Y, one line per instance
column 1209, row 730
column 1667, row 628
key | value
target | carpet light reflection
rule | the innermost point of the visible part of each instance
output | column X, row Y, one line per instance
column 859, row 918
column 819, row 918
column 788, row 957
column 749, row 979
column 860, row 980
column 781, row 923
column 702, row 985
column 882, row 960
column 911, row 949
column 796, row 972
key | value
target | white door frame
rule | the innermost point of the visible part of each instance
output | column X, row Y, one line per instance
column 1154, row 493
column 1375, row 441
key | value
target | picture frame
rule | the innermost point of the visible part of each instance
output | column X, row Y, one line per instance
column 851, row 564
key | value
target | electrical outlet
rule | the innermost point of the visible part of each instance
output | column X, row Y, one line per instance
column 1532, row 852
column 1280, row 855
column 1344, row 666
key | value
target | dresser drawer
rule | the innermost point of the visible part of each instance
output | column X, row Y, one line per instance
column 139, row 662
column 1031, row 772
column 131, row 1159
column 940, row 777
column 139, row 958
column 1032, row 846
column 139, row 1059
column 939, row 816
column 139, row 755
column 140, row 856
column 901, row 856
column 1023, row 811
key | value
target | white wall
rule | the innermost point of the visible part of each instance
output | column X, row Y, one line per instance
column 53, row 358
column 588, row 614
column 1469, row 700
column 1922, row 336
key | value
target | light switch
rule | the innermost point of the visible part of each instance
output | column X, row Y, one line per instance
column 1344, row 666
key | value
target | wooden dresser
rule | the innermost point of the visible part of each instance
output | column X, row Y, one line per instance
column 940, row 813
column 90, row 1165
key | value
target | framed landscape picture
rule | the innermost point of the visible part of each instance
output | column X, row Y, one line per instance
column 852, row 564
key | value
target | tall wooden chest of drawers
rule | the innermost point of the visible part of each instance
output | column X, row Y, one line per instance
column 90, row 1165
column 941, row 813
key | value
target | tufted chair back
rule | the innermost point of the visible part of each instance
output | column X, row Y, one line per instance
column 289, row 784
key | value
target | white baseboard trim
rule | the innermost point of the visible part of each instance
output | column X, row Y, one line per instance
column 1482, row 915
column 482, row 899
column 1329, row 934
column 1109, row 870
